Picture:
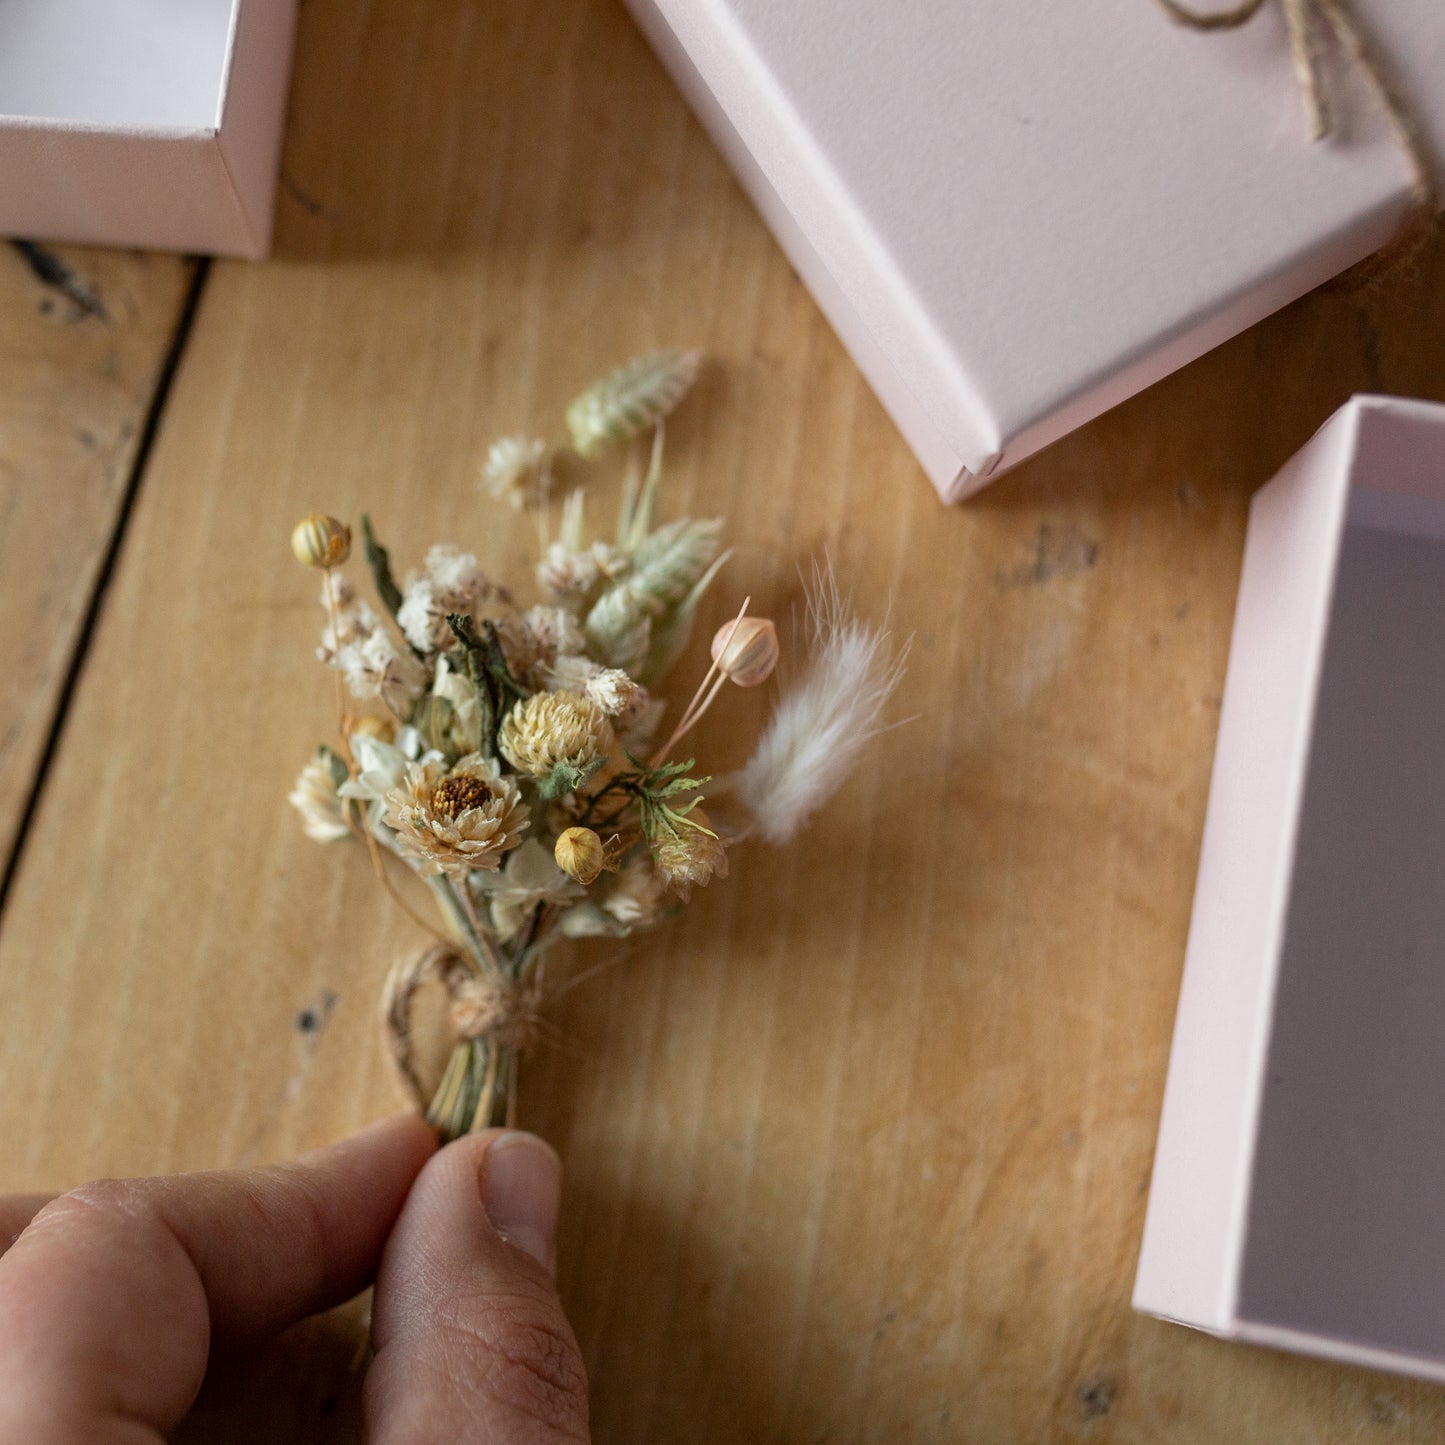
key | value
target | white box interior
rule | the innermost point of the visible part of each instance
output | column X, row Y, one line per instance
column 1298, row 1194
column 1346, row 1220
column 124, row 64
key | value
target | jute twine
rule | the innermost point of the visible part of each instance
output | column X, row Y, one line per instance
column 1308, row 22
column 481, row 1007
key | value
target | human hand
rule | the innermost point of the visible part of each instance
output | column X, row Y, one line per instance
column 113, row 1296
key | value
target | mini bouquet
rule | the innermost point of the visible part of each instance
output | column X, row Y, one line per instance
column 507, row 755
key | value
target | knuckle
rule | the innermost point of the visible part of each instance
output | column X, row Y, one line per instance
column 518, row 1351
column 104, row 1196
column 101, row 1204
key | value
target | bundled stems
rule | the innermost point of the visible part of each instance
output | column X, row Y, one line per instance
column 478, row 1089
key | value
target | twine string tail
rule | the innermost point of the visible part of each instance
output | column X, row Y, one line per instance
column 495, row 1008
column 1305, row 21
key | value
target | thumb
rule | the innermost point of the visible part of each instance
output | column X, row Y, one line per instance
column 471, row 1342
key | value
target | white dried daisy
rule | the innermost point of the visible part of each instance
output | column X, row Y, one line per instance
column 451, row 582
column 456, row 820
column 515, row 469
column 555, row 730
column 315, row 798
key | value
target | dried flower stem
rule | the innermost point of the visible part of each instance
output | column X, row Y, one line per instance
column 474, row 925
column 341, row 711
column 456, row 906
column 692, row 713
column 379, row 866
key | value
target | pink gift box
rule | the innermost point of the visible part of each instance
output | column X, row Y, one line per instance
column 1017, row 215
column 1298, row 1195
column 152, row 123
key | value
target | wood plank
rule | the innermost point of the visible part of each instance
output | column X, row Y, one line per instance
column 83, row 337
column 857, row 1149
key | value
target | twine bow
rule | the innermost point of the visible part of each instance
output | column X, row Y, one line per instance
column 505, row 1012
column 1306, row 20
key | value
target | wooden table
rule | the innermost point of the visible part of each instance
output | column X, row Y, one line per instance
column 858, row 1149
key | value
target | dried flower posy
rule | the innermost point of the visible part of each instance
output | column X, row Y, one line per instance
column 513, row 766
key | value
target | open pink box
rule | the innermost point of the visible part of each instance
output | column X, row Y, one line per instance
column 153, row 123
column 1298, row 1196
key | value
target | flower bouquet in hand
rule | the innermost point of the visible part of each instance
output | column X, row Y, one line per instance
column 509, row 755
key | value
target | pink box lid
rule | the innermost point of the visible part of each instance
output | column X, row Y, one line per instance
column 1018, row 215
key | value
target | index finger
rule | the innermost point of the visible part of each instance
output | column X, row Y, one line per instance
column 110, row 1298
column 16, row 1212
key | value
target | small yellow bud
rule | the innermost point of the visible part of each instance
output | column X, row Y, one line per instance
column 746, row 652
column 368, row 725
column 321, row 541
column 580, row 854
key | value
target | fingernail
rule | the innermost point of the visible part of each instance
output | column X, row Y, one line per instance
column 521, row 1181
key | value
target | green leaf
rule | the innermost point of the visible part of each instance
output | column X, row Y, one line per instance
column 497, row 663
column 334, row 765
column 486, row 668
column 564, row 778
column 380, row 563
column 634, row 520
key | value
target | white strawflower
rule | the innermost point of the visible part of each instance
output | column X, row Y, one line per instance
column 464, row 728
column 315, row 798
column 515, row 467
column 823, row 718
column 456, row 820
column 614, row 691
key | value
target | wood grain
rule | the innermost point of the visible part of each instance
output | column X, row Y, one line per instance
column 83, row 337
column 858, row 1149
